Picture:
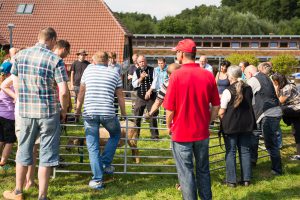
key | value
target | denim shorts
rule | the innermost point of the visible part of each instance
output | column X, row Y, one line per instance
column 49, row 131
column 17, row 129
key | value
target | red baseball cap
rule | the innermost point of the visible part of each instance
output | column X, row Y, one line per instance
column 186, row 45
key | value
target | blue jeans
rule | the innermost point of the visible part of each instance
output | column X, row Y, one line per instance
column 91, row 126
column 279, row 137
column 269, row 127
column 190, row 185
column 241, row 142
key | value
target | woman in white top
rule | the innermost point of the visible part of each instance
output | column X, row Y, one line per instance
column 237, row 124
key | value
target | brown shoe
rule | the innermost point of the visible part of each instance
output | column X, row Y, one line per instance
column 11, row 195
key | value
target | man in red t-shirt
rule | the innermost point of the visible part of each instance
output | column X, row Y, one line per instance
column 190, row 93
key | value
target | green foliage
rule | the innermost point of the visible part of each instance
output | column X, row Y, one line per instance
column 171, row 25
column 233, row 17
column 289, row 27
column 199, row 11
column 2, row 55
column 284, row 64
column 213, row 20
column 138, row 23
column 274, row 10
column 236, row 58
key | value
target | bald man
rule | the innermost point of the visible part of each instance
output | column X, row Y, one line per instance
column 250, row 71
column 203, row 63
column 146, row 94
column 267, row 114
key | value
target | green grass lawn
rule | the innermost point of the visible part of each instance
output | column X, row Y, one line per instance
column 161, row 187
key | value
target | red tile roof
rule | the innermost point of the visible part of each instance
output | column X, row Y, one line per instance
column 3, row 41
column 86, row 24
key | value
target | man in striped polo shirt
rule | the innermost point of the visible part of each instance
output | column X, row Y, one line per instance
column 97, row 88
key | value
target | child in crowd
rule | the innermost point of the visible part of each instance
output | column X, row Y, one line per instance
column 7, row 118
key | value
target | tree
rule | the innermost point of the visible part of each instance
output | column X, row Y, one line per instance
column 2, row 55
column 274, row 10
column 241, row 17
column 230, row 2
column 284, row 64
column 289, row 27
column 138, row 23
column 172, row 25
column 236, row 58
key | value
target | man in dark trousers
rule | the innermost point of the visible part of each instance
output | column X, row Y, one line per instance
column 267, row 114
column 142, row 80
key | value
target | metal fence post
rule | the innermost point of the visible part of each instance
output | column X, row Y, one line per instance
column 126, row 145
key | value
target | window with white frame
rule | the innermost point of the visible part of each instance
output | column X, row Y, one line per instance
column 25, row 8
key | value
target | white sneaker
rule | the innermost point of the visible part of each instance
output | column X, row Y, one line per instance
column 97, row 185
column 295, row 157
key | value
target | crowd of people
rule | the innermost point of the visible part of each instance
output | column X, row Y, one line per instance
column 248, row 100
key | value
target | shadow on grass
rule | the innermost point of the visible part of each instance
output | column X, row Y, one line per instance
column 291, row 193
column 262, row 171
column 127, row 186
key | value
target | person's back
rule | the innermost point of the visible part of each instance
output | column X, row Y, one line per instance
column 190, row 92
column 265, row 97
column 267, row 114
column 239, row 119
column 237, row 124
column 34, row 72
column 36, row 69
column 194, row 91
column 97, row 88
column 101, row 83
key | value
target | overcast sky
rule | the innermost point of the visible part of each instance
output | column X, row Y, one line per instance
column 158, row 8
